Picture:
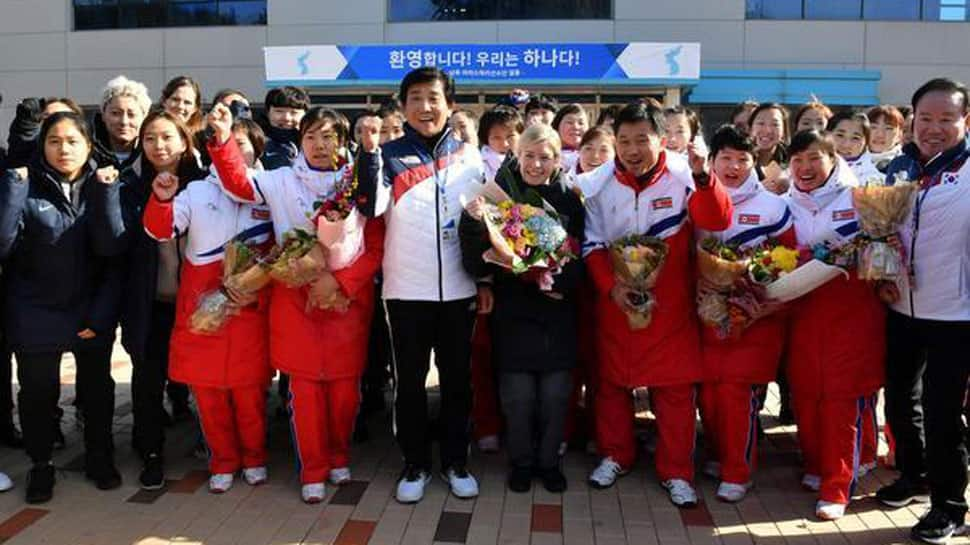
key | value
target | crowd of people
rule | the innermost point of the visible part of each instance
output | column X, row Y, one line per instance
column 126, row 220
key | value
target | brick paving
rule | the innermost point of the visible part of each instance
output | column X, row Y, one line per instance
column 636, row 511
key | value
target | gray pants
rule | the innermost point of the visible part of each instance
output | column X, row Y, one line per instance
column 535, row 406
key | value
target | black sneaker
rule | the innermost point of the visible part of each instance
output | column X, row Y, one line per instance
column 937, row 527
column 152, row 473
column 520, row 479
column 903, row 492
column 40, row 483
column 104, row 474
column 553, row 480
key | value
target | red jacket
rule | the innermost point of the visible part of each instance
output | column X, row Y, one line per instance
column 667, row 351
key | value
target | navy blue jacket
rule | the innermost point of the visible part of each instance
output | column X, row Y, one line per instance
column 59, row 273
column 281, row 147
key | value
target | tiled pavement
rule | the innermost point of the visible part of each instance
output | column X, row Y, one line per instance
column 634, row 512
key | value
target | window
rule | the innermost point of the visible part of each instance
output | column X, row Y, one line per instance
column 400, row 11
column 855, row 10
column 102, row 14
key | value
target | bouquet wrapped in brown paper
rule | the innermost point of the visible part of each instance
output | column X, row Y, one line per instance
column 245, row 272
column 300, row 260
column 882, row 210
column 637, row 260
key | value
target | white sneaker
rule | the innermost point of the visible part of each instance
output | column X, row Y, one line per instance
column 339, row 476
column 463, row 484
column 811, row 482
column 712, row 469
column 606, row 473
column 827, row 510
column 5, row 482
column 488, row 444
column 220, row 483
column 410, row 489
column 681, row 492
column 313, row 492
column 732, row 492
column 255, row 475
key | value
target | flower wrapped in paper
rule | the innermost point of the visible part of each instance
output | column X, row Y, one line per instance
column 816, row 267
column 882, row 209
column 245, row 272
column 299, row 260
column 637, row 261
column 339, row 223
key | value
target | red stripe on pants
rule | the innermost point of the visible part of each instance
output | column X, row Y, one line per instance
column 829, row 435
column 234, row 424
column 322, row 419
column 675, row 409
column 729, row 412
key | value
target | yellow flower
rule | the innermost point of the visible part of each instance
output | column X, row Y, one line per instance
column 784, row 258
column 520, row 245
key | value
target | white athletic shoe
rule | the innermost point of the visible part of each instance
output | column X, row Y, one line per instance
column 255, row 476
column 732, row 492
column 488, row 444
column 712, row 469
column 606, row 473
column 681, row 492
column 827, row 510
column 462, row 483
column 5, row 482
column 339, row 476
column 220, row 483
column 811, row 482
column 313, row 493
column 410, row 489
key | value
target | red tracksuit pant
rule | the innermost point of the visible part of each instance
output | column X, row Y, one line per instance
column 322, row 415
column 729, row 411
column 675, row 409
column 830, row 435
column 234, row 425
column 486, row 416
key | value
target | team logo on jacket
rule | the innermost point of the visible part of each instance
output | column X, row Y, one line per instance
column 662, row 202
column 410, row 160
column 843, row 215
column 950, row 178
column 749, row 219
column 261, row 214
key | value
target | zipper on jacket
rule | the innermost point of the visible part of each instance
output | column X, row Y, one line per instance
column 437, row 215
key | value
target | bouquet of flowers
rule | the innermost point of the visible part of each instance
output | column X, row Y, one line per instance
column 340, row 225
column 299, row 260
column 816, row 266
column 882, row 209
column 637, row 260
column 245, row 272
column 720, row 265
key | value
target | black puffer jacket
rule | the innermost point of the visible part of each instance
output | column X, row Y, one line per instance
column 530, row 330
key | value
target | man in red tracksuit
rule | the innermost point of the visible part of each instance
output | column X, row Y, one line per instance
column 647, row 191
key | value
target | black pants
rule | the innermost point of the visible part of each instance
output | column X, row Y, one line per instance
column 148, row 376
column 376, row 374
column 535, row 406
column 417, row 327
column 40, row 381
column 6, row 393
column 926, row 382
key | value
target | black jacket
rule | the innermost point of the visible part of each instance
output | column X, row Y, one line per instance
column 59, row 273
column 530, row 331
column 282, row 146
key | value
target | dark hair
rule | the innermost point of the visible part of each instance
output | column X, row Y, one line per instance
column 188, row 163
column 254, row 132
column 54, row 119
column 804, row 140
column 497, row 116
column 858, row 117
column 225, row 93
column 693, row 120
column 945, row 85
column 741, row 107
column 637, row 112
column 595, row 133
column 784, row 118
column 391, row 106
column 428, row 74
column 608, row 112
column 568, row 109
column 71, row 105
column 906, row 110
column 887, row 112
column 318, row 114
column 540, row 101
column 813, row 104
column 287, row 97
column 729, row 136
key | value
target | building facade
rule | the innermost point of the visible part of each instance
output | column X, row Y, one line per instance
column 760, row 49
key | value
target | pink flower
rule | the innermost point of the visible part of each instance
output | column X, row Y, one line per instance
column 513, row 230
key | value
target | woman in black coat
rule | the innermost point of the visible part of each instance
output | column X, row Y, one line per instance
column 61, row 293
column 534, row 331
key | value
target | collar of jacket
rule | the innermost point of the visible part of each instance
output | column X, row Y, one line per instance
column 748, row 189
column 639, row 183
column 102, row 152
column 282, row 136
column 422, row 142
column 820, row 197
column 39, row 169
column 917, row 169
